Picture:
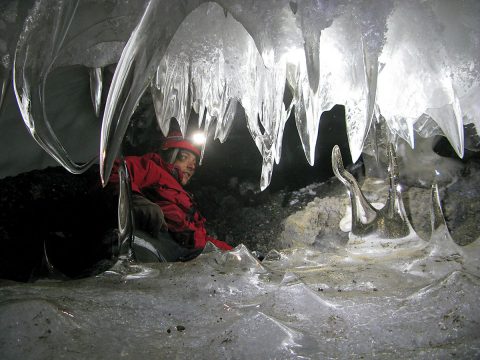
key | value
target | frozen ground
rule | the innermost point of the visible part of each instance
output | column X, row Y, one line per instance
column 295, row 304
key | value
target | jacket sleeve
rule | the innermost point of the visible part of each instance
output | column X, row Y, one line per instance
column 178, row 222
column 219, row 243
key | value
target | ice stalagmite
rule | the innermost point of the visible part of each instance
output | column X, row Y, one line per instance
column 382, row 231
column 4, row 84
column 441, row 242
column 96, row 87
column 125, row 217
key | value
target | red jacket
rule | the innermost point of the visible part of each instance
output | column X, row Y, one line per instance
column 152, row 177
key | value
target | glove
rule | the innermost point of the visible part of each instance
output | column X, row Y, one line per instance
column 148, row 216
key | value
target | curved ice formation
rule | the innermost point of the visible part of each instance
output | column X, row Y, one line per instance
column 373, row 231
column 59, row 33
column 390, row 221
column 30, row 74
column 403, row 60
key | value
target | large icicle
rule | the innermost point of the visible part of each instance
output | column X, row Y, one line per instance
column 460, row 24
column 303, row 71
column 135, row 69
column 413, row 81
column 371, row 18
column 170, row 93
column 39, row 45
column 342, row 77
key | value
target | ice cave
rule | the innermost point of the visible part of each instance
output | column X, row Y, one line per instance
column 341, row 162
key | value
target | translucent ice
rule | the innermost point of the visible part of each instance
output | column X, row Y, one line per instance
column 383, row 231
column 300, row 304
column 96, row 86
column 402, row 60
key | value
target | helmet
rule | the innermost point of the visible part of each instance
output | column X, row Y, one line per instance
column 175, row 140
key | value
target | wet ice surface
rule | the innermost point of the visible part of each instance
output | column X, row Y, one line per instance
column 296, row 304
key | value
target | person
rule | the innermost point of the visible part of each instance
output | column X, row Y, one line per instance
column 160, row 202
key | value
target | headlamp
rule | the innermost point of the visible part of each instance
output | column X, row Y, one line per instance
column 198, row 138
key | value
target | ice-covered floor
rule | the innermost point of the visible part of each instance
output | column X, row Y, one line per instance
column 295, row 304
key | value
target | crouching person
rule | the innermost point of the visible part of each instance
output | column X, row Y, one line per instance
column 165, row 214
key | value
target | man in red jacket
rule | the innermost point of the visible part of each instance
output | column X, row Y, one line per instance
column 160, row 202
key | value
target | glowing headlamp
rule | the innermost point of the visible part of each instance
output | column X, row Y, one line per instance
column 198, row 138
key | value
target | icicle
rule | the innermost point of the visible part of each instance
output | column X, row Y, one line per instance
column 4, row 83
column 5, row 71
column 307, row 113
column 96, row 87
column 208, row 120
column 136, row 67
column 180, row 94
column 39, row 45
column 314, row 17
column 423, row 84
column 224, row 124
column 371, row 18
column 343, row 78
column 449, row 118
column 158, row 97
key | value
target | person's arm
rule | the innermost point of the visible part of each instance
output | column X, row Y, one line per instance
column 218, row 243
column 178, row 223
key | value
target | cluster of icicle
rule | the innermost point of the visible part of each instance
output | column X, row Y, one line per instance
column 405, row 60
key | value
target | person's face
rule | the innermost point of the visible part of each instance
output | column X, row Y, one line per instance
column 186, row 162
